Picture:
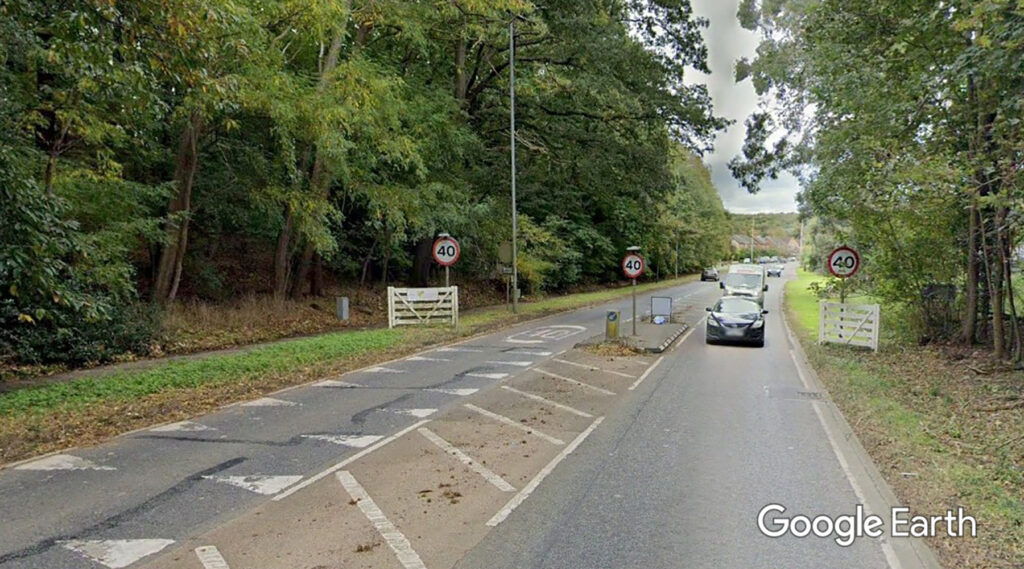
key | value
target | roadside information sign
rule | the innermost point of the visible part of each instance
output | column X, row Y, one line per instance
column 446, row 251
column 633, row 266
column 843, row 262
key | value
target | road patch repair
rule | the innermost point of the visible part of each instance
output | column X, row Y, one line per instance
column 426, row 495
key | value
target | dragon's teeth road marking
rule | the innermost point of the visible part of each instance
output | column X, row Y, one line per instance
column 269, row 402
column 593, row 368
column 183, row 426
column 211, row 558
column 461, row 392
column 335, row 383
column 397, row 541
column 418, row 413
column 117, row 553
column 426, row 359
column 511, row 423
column 355, row 441
column 260, row 484
column 533, row 484
column 510, row 363
column 473, row 465
column 459, row 349
column 62, row 462
column 487, row 375
column 546, row 401
column 382, row 369
column 529, row 352
column 575, row 382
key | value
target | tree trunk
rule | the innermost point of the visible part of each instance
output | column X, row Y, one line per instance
column 970, row 321
column 168, row 276
column 422, row 262
column 461, row 80
column 302, row 273
column 282, row 257
column 316, row 282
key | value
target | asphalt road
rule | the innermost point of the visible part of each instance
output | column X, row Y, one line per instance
column 677, row 475
column 117, row 503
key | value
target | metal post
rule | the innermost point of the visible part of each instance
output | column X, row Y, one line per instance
column 752, row 240
column 446, row 278
column 677, row 258
column 512, row 124
column 634, row 307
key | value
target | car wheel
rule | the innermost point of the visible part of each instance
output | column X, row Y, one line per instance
column 759, row 344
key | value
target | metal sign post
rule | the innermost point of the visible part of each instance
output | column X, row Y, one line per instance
column 446, row 252
column 633, row 267
column 843, row 262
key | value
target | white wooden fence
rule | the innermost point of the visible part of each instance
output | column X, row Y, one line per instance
column 423, row 306
column 850, row 324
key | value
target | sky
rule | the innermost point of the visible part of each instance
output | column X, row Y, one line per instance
column 727, row 42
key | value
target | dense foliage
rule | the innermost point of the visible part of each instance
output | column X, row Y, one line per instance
column 154, row 150
column 904, row 120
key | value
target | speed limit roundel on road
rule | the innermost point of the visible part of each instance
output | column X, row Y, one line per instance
column 446, row 251
column 843, row 262
column 633, row 266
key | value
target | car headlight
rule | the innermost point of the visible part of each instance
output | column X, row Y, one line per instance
column 758, row 324
column 713, row 322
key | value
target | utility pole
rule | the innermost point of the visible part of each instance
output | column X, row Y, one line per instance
column 512, row 125
column 751, row 239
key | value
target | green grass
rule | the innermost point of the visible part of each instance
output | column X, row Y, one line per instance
column 280, row 359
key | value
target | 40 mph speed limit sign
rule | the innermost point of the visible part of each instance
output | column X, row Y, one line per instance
column 843, row 262
column 446, row 251
column 633, row 266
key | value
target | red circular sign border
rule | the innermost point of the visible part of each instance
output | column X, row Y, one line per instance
column 433, row 251
column 643, row 266
column 856, row 256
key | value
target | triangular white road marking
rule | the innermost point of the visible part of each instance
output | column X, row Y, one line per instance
column 356, row 441
column 117, row 553
column 457, row 349
column 461, row 392
column 382, row 369
column 62, row 462
column 510, row 363
column 529, row 352
column 183, row 426
column 488, row 375
column 426, row 359
column 260, row 484
column 335, row 383
column 268, row 402
column 418, row 413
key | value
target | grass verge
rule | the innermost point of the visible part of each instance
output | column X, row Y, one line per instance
column 938, row 424
column 36, row 420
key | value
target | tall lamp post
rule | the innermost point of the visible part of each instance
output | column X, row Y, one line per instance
column 512, row 129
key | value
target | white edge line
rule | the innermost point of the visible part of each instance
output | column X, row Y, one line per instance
column 547, row 401
column 397, row 541
column 593, row 368
column 646, row 373
column 464, row 458
column 211, row 558
column 575, row 381
column 533, row 484
column 321, row 475
column 505, row 420
column 887, row 550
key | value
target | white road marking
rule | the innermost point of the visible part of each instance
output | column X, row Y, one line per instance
column 354, row 441
column 510, row 363
column 473, row 465
column 461, row 392
column 487, row 375
column 459, row 350
column 397, row 541
column 182, row 426
column 62, row 462
column 546, row 401
column 887, row 550
column 545, row 333
column 211, row 558
column 116, row 553
column 530, row 352
column 646, row 373
column 426, row 359
column 593, row 368
column 327, row 472
column 260, row 484
column 533, row 484
column 336, row 383
column 382, row 369
column 418, row 413
column 575, row 382
column 269, row 402
column 517, row 425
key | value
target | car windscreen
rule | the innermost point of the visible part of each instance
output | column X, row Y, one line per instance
column 737, row 306
column 745, row 280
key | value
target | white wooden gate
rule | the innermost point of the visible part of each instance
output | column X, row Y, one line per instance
column 423, row 306
column 850, row 324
